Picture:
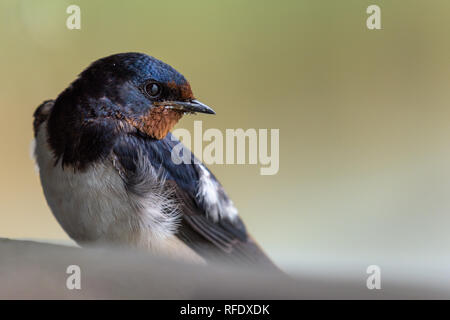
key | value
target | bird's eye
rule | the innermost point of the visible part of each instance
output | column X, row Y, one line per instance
column 153, row 89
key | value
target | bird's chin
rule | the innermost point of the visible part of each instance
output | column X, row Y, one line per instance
column 157, row 122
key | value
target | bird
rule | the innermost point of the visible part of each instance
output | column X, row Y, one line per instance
column 103, row 148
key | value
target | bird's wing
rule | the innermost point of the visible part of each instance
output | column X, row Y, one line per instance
column 209, row 222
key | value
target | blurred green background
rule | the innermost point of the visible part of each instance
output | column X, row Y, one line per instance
column 364, row 116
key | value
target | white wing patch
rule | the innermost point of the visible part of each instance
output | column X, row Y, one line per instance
column 216, row 203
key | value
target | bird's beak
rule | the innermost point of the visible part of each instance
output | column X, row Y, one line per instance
column 189, row 106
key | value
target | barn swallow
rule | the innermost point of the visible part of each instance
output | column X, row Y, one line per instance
column 103, row 149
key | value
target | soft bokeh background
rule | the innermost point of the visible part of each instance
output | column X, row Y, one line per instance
column 364, row 116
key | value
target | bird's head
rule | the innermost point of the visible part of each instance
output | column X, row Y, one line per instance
column 135, row 88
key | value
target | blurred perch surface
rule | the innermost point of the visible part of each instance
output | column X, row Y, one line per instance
column 31, row 269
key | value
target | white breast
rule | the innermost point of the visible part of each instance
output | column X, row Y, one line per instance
column 94, row 205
